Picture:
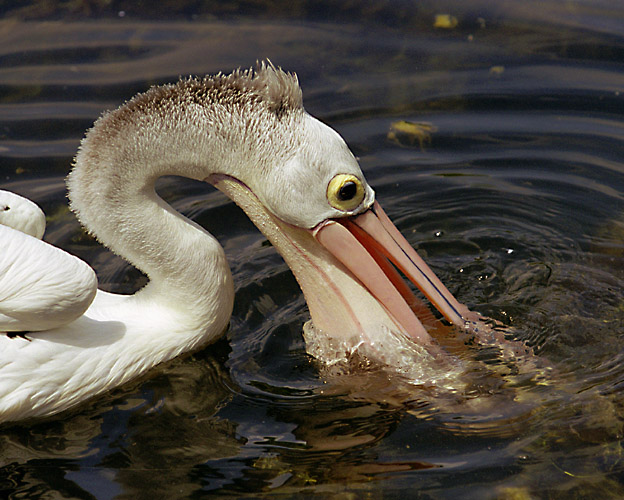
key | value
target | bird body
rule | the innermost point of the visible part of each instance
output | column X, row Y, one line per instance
column 248, row 134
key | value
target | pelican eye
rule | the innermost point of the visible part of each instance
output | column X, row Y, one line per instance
column 345, row 192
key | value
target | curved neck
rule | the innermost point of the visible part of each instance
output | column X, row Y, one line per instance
column 112, row 191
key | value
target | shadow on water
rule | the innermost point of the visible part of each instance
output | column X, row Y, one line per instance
column 493, row 139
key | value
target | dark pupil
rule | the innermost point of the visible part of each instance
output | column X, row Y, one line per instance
column 347, row 191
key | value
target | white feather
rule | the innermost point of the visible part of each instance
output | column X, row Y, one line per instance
column 41, row 287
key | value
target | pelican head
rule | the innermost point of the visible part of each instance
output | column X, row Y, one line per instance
column 249, row 135
column 297, row 180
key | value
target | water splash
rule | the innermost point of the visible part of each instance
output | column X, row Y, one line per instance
column 391, row 351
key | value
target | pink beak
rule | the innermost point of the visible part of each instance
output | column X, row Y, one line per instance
column 366, row 245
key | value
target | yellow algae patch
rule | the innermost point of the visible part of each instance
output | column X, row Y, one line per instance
column 406, row 133
column 445, row 21
column 514, row 493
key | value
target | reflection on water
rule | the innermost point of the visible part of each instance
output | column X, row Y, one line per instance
column 496, row 147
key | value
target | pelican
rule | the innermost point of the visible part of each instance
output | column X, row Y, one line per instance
column 248, row 134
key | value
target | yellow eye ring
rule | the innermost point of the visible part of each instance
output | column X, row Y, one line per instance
column 345, row 192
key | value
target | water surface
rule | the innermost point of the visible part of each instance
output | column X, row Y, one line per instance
column 513, row 193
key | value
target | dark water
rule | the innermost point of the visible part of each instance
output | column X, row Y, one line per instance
column 514, row 194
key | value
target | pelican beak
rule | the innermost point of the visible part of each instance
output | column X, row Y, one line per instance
column 345, row 269
column 367, row 245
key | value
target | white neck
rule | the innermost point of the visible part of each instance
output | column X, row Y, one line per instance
column 112, row 191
